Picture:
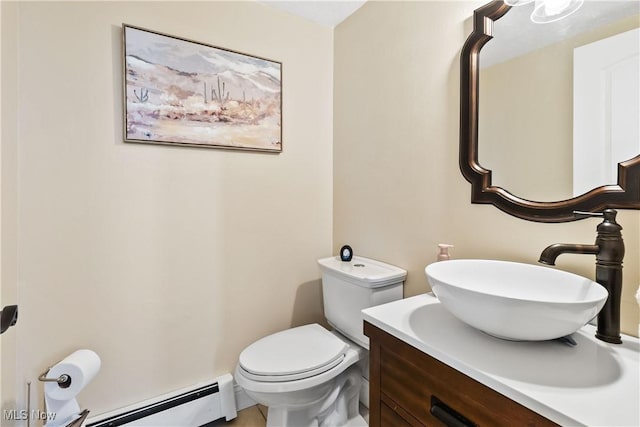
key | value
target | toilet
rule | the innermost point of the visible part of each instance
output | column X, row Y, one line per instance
column 309, row 376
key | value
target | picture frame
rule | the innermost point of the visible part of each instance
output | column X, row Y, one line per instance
column 186, row 93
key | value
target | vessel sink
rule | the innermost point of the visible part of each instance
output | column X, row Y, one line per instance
column 515, row 301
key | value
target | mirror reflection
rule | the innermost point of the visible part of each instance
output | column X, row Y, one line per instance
column 559, row 102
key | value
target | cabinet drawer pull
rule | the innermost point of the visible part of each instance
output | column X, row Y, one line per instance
column 448, row 416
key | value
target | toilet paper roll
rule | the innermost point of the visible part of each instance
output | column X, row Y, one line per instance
column 81, row 366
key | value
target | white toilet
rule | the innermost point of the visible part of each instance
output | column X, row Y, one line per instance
column 309, row 376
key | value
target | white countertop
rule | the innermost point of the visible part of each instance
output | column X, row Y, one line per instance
column 593, row 383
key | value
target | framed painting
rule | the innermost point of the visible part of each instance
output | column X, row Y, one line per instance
column 181, row 92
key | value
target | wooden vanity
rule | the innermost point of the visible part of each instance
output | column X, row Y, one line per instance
column 427, row 368
column 411, row 388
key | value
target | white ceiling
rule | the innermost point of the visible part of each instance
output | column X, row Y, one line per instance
column 325, row 12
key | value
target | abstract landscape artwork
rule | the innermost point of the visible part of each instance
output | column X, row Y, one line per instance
column 180, row 92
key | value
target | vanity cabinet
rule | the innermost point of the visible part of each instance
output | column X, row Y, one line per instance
column 411, row 388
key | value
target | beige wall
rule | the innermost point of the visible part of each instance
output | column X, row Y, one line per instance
column 544, row 126
column 166, row 261
column 398, row 191
column 8, row 199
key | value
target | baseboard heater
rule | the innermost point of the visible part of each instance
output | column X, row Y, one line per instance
column 195, row 406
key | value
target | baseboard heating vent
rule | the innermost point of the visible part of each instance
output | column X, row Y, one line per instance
column 196, row 406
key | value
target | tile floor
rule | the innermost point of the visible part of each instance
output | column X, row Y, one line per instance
column 253, row 416
column 256, row 416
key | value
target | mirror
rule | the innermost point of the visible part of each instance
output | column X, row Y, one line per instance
column 523, row 145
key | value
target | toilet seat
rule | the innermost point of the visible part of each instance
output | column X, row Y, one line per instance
column 293, row 354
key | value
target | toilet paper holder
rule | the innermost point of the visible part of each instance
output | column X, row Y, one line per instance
column 64, row 380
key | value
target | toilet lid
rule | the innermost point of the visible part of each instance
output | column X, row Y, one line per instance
column 293, row 354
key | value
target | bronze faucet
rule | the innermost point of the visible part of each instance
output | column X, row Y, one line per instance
column 609, row 252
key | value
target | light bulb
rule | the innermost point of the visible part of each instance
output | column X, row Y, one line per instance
column 554, row 7
column 546, row 11
column 517, row 2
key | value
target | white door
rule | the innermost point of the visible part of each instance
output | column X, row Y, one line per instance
column 606, row 109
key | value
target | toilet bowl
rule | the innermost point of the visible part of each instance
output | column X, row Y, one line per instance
column 306, row 376
column 309, row 376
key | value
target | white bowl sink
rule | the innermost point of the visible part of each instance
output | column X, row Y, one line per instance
column 516, row 301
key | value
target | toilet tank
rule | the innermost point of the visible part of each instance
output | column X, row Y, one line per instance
column 348, row 287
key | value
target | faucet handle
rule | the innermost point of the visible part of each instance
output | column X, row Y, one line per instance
column 609, row 225
column 608, row 214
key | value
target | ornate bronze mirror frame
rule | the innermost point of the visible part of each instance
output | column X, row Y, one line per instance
column 624, row 195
